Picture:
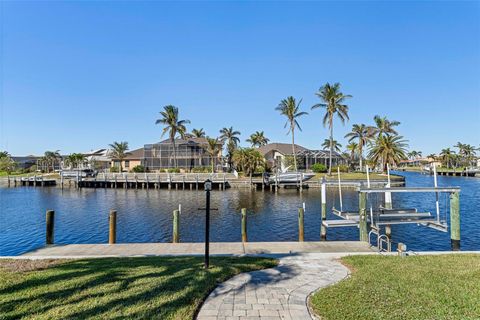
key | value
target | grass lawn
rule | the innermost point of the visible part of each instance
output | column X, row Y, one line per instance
column 357, row 176
column 114, row 288
column 416, row 287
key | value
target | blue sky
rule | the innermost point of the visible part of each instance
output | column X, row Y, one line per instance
column 79, row 75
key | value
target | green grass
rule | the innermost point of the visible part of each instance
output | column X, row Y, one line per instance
column 357, row 176
column 416, row 287
column 116, row 288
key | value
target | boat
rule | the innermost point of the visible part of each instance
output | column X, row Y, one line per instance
column 290, row 177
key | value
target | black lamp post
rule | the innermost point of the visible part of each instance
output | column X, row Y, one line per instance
column 208, row 188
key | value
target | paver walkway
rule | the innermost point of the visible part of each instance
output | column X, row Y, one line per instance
column 277, row 293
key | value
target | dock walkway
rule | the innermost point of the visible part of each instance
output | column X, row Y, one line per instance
column 216, row 248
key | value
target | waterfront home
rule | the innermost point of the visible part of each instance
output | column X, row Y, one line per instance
column 134, row 158
column 276, row 153
column 190, row 153
column 25, row 162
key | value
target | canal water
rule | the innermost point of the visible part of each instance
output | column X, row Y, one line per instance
column 146, row 215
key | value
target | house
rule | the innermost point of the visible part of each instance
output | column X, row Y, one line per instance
column 134, row 158
column 276, row 153
column 25, row 162
column 190, row 153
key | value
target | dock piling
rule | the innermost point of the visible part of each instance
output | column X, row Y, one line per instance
column 112, row 220
column 176, row 233
column 50, row 218
column 455, row 220
column 300, row 225
column 362, row 211
column 323, row 229
column 244, row 225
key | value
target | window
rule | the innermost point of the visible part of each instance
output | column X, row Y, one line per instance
column 127, row 164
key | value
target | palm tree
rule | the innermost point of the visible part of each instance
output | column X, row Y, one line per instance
column 50, row 157
column 388, row 149
column 290, row 109
column 352, row 152
column 119, row 151
column 333, row 102
column 258, row 139
column 447, row 155
column 327, row 143
column 230, row 136
column 173, row 126
column 4, row 154
column 248, row 160
column 198, row 133
column 74, row 159
column 363, row 134
column 383, row 126
column 213, row 148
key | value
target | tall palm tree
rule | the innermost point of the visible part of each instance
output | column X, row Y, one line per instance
column 388, row 149
column 353, row 152
column 383, row 126
column 363, row 134
column 258, row 139
column 198, row 133
column 327, row 143
column 119, row 151
column 333, row 102
column 291, row 110
column 213, row 148
column 231, row 137
column 447, row 155
column 172, row 125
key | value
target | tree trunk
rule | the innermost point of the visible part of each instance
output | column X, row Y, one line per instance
column 293, row 148
column 331, row 147
column 174, row 153
column 361, row 156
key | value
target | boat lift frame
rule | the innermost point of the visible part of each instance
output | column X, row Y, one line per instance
column 454, row 193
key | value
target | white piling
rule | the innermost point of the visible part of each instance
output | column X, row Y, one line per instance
column 435, row 184
column 388, row 195
column 340, row 189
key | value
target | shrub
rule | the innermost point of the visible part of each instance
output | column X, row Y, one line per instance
column 172, row 170
column 114, row 169
column 318, row 168
column 343, row 168
column 201, row 169
column 138, row 168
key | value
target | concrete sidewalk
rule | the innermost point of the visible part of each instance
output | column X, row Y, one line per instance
column 216, row 248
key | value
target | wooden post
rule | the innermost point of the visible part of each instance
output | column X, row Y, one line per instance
column 300, row 225
column 50, row 218
column 244, row 225
column 362, row 211
column 455, row 220
column 8, row 178
column 112, row 219
column 323, row 229
column 176, row 233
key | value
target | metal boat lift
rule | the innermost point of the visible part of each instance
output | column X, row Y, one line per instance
column 387, row 216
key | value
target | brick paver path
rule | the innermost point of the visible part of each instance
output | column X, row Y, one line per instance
column 272, row 294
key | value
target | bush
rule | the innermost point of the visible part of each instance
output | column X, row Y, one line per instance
column 172, row 170
column 201, row 169
column 343, row 168
column 114, row 169
column 319, row 168
column 138, row 168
